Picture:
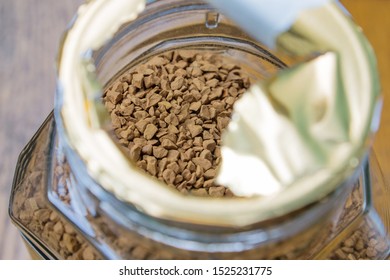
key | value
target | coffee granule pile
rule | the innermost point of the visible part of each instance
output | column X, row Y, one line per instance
column 169, row 114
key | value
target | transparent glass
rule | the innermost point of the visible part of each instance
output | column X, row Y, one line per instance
column 64, row 214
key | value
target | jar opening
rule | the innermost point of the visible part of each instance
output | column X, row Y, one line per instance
column 84, row 117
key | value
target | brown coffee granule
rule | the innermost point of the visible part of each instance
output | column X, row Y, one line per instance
column 31, row 208
column 169, row 113
column 365, row 242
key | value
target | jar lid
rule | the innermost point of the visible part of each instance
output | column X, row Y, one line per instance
column 344, row 75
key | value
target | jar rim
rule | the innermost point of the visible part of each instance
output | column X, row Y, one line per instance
column 79, row 111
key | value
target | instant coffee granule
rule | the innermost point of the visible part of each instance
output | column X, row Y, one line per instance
column 39, row 218
column 169, row 114
column 364, row 243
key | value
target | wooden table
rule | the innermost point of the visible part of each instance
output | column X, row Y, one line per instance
column 29, row 37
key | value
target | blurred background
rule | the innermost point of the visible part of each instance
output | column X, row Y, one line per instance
column 30, row 31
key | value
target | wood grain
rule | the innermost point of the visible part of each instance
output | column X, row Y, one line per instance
column 29, row 37
column 373, row 17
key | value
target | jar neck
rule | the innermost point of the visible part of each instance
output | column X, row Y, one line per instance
column 82, row 118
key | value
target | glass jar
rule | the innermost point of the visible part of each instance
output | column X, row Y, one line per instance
column 66, row 211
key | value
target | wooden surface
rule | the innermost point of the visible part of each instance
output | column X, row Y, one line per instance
column 30, row 31
column 29, row 36
column 374, row 18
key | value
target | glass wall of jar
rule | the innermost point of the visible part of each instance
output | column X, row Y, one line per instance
column 64, row 213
